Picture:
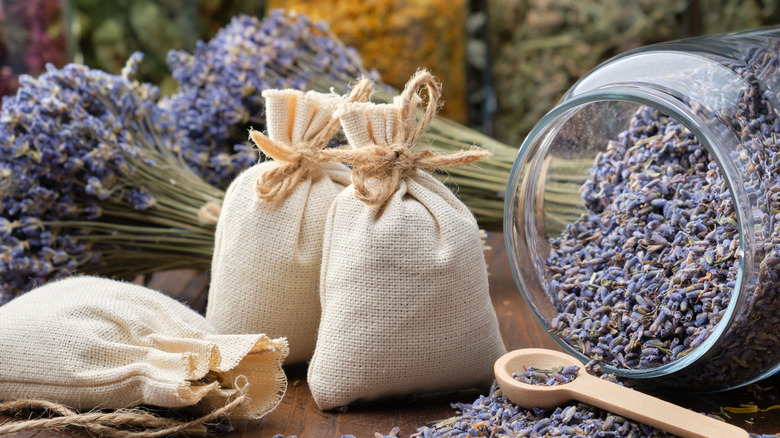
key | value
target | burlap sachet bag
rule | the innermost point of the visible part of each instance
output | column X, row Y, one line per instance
column 404, row 287
column 92, row 343
column 268, row 243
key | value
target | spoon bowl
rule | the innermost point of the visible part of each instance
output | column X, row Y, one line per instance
column 529, row 396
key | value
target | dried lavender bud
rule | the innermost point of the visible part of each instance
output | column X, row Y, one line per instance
column 556, row 376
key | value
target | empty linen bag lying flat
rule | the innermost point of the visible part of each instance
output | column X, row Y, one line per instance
column 268, row 243
column 89, row 342
column 404, row 287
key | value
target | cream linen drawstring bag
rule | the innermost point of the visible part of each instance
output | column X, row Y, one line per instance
column 94, row 343
column 404, row 287
column 268, row 243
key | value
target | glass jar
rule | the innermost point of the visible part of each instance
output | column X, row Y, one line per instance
column 642, row 219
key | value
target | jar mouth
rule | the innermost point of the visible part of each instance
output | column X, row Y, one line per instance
column 526, row 233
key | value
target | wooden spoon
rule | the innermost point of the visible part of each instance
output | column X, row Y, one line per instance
column 603, row 394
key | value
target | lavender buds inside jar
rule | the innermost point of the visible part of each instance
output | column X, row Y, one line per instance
column 642, row 219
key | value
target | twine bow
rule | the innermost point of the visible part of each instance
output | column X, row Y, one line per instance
column 377, row 170
column 302, row 160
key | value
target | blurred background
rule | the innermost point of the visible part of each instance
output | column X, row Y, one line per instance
column 503, row 63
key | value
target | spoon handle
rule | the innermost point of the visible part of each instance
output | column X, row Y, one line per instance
column 650, row 410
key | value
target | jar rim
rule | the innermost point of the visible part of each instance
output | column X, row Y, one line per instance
column 673, row 107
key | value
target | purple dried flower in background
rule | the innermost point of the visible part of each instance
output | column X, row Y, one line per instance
column 31, row 35
column 220, row 84
column 219, row 99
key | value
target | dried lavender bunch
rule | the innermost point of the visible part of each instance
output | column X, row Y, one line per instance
column 553, row 377
column 88, row 181
column 646, row 275
column 220, row 84
column 219, row 99
column 495, row 415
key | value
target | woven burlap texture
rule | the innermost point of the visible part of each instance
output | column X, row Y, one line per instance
column 94, row 343
column 266, row 263
column 403, row 286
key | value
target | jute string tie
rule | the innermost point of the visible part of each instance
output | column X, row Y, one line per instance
column 122, row 423
column 300, row 161
column 378, row 169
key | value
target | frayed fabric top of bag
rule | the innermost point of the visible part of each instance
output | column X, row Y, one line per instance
column 93, row 343
column 404, row 287
column 268, row 242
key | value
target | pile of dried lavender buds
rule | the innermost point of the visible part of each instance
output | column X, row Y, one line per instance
column 647, row 273
column 495, row 416
column 552, row 377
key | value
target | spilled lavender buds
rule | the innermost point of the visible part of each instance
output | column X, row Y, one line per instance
column 646, row 275
column 85, row 170
column 557, row 376
column 220, row 84
column 495, row 415
column 393, row 434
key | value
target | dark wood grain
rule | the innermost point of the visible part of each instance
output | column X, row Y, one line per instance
column 297, row 414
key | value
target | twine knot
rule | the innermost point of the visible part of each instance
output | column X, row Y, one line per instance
column 402, row 159
column 296, row 163
column 378, row 169
column 299, row 161
column 308, row 160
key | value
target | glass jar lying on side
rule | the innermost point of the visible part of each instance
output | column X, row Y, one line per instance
column 642, row 218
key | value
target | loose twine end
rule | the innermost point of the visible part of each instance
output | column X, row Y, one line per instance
column 300, row 161
column 377, row 170
column 122, row 423
column 209, row 213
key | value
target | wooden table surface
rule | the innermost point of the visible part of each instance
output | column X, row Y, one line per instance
column 298, row 415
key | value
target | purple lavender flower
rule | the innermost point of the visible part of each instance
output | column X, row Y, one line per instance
column 220, row 84
column 79, row 145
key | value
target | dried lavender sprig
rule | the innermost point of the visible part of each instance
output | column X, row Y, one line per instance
column 89, row 183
